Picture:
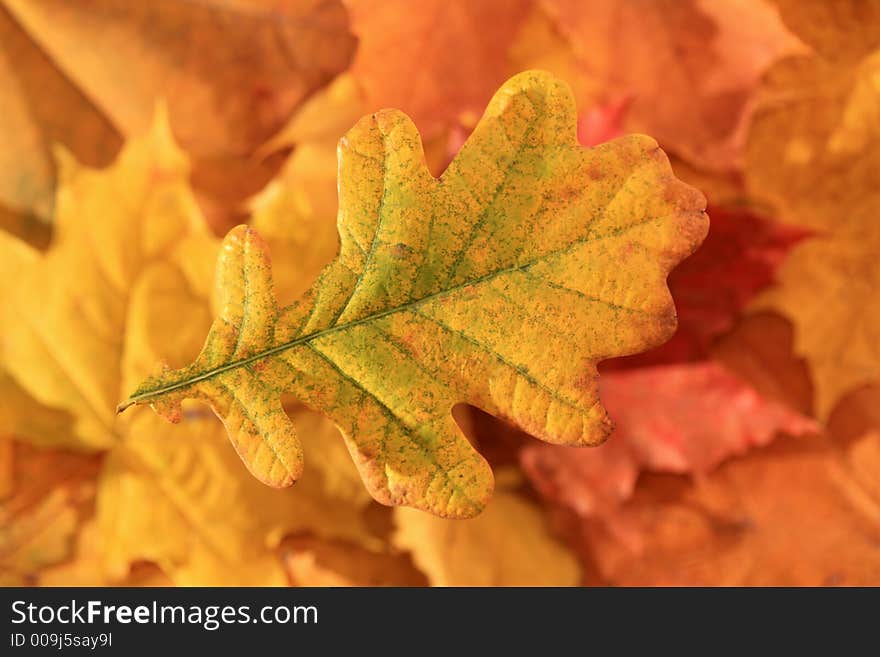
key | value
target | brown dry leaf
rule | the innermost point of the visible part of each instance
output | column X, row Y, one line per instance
column 435, row 60
column 52, row 490
column 796, row 513
column 232, row 71
column 689, row 65
column 508, row 545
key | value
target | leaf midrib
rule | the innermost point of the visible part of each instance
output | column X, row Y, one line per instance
column 304, row 339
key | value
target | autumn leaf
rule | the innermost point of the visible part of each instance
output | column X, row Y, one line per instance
column 81, row 328
column 813, row 153
column 689, row 66
column 433, row 277
column 812, row 147
column 87, row 568
column 672, row 418
column 200, row 520
column 760, row 351
column 231, row 72
column 29, row 125
column 437, row 61
column 98, row 330
column 795, row 513
column 51, row 491
column 315, row 562
column 714, row 286
column 500, row 548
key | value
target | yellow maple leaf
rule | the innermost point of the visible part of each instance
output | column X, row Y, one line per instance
column 116, row 230
column 814, row 153
column 126, row 278
column 198, row 517
column 499, row 548
column 813, row 145
column 464, row 289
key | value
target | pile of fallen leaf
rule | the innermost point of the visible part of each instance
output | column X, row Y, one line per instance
column 746, row 449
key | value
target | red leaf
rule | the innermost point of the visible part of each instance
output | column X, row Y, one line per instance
column 673, row 418
column 738, row 259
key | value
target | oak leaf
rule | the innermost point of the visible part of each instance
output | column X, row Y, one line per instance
column 713, row 287
column 433, row 279
column 670, row 418
column 502, row 547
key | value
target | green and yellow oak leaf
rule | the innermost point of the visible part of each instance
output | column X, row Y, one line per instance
column 501, row 284
column 296, row 212
column 127, row 278
column 500, row 548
